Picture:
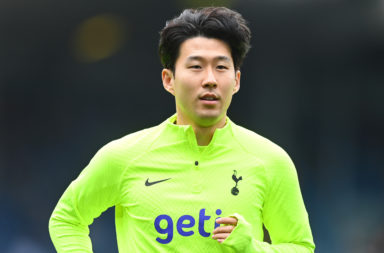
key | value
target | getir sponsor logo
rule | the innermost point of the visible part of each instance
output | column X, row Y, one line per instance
column 184, row 225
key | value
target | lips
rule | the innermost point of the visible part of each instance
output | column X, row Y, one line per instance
column 209, row 97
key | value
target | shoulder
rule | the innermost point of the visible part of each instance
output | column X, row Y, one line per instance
column 134, row 143
column 279, row 169
column 272, row 156
column 254, row 143
column 117, row 154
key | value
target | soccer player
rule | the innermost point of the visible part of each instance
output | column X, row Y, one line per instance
column 196, row 182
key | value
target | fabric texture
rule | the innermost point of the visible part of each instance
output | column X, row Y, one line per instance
column 167, row 193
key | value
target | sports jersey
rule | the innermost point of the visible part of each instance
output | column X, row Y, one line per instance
column 168, row 192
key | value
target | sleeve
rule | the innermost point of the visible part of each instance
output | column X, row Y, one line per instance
column 284, row 216
column 96, row 189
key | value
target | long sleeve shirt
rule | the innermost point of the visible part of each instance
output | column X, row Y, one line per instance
column 168, row 192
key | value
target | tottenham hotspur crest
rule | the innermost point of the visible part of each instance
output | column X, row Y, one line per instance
column 235, row 190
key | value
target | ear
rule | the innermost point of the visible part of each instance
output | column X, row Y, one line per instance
column 168, row 80
column 236, row 88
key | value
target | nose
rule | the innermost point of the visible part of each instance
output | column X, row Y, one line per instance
column 209, row 80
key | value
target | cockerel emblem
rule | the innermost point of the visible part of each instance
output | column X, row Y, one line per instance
column 235, row 190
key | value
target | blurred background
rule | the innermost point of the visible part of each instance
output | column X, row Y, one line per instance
column 75, row 75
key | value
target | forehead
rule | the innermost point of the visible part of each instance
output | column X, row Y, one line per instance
column 203, row 48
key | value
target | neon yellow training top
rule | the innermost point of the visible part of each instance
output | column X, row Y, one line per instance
column 168, row 191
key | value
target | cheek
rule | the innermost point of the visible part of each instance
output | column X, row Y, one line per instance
column 229, row 91
column 185, row 91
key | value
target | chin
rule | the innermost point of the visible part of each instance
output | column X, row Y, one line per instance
column 207, row 120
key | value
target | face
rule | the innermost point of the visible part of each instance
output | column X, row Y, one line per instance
column 203, row 83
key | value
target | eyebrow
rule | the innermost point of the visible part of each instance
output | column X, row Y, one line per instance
column 200, row 58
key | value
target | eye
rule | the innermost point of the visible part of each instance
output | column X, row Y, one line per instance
column 195, row 67
column 222, row 67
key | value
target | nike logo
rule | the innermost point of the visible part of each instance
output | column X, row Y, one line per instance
column 147, row 183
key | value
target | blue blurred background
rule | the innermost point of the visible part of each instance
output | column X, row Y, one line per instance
column 75, row 75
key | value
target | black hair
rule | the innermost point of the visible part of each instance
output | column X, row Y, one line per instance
column 211, row 22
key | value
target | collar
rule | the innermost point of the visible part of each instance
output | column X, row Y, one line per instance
column 221, row 137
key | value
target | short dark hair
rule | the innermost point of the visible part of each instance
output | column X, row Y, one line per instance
column 211, row 22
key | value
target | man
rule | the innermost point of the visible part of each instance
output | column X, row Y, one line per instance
column 197, row 182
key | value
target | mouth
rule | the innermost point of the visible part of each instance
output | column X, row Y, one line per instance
column 209, row 97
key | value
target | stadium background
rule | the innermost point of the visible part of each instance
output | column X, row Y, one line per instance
column 76, row 74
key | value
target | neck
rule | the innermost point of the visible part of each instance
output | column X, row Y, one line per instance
column 203, row 134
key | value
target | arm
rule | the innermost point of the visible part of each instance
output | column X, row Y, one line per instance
column 95, row 190
column 239, row 238
column 284, row 216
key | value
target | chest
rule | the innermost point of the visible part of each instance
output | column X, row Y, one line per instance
column 180, row 183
